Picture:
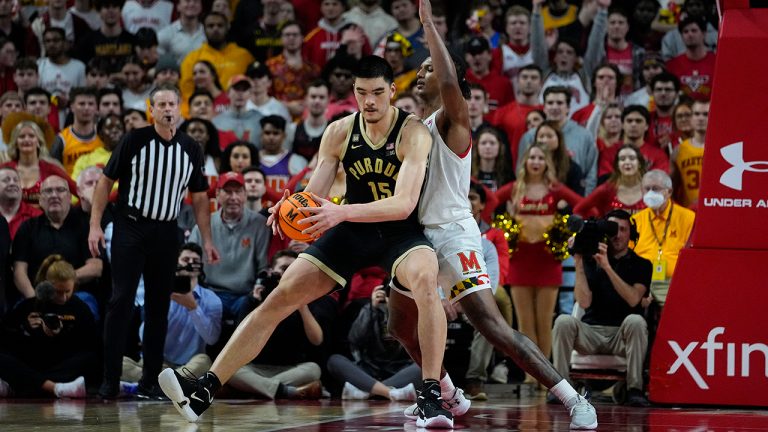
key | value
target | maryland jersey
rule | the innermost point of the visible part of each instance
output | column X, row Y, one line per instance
column 74, row 147
column 688, row 164
column 445, row 197
column 372, row 168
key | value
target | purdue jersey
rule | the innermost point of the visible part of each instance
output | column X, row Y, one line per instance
column 372, row 168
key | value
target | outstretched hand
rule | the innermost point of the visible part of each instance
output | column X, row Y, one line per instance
column 274, row 213
column 425, row 11
column 321, row 218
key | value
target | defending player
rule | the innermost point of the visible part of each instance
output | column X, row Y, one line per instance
column 445, row 211
column 384, row 152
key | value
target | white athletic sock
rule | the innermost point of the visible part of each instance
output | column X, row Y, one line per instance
column 446, row 386
column 566, row 393
column 73, row 389
column 407, row 393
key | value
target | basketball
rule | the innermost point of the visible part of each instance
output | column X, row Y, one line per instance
column 290, row 215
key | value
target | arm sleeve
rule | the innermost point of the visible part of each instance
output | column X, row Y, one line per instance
column 539, row 47
column 595, row 46
column 491, row 263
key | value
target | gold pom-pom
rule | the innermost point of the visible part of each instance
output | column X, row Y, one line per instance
column 511, row 229
column 556, row 237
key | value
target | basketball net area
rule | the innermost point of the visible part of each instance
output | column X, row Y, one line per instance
column 712, row 343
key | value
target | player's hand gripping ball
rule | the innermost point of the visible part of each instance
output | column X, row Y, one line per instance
column 290, row 215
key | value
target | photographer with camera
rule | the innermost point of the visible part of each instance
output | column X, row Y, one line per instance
column 194, row 319
column 50, row 342
column 281, row 370
column 611, row 281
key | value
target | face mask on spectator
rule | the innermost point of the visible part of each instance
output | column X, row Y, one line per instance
column 653, row 199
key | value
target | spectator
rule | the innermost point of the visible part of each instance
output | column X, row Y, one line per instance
column 563, row 70
column 184, row 35
column 97, row 73
column 86, row 182
column 682, row 129
column 673, row 43
column 396, row 52
column 281, row 370
column 57, row 15
column 136, row 90
column 51, row 339
column 80, row 138
column 194, row 319
column 641, row 28
column 321, row 43
column 477, row 107
column 237, row 118
column 580, row 143
column 688, row 157
column 255, row 188
column 59, row 73
column 85, row 10
column 206, row 78
column 605, row 91
column 509, row 57
column 608, row 136
column 205, row 134
column 664, row 88
column 243, row 237
column 408, row 103
column 37, row 102
column 258, row 29
column 622, row 190
column 111, row 41
column 201, row 106
column 379, row 366
column 353, row 42
column 25, row 74
column 535, row 118
column 291, row 71
column 490, row 165
column 510, row 118
column 651, row 66
column 533, row 200
column 610, row 286
column 278, row 163
column 238, row 156
column 567, row 171
column 14, row 31
column 478, row 57
column 635, row 120
column 8, row 58
column 59, row 230
column 111, row 131
column 338, row 74
column 12, row 207
column 480, row 23
column 166, row 72
column 664, row 229
column 371, row 17
column 27, row 151
column 10, row 102
column 146, row 48
column 110, row 101
column 409, row 27
column 134, row 119
column 619, row 51
column 304, row 138
column 696, row 66
column 228, row 58
column 260, row 99
column 154, row 14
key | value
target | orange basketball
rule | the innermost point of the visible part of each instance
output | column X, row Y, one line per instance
column 290, row 215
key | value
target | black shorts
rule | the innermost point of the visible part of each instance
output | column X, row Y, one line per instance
column 350, row 246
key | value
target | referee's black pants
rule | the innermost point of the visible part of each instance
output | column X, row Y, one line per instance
column 139, row 246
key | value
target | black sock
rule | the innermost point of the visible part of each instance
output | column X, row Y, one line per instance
column 430, row 387
column 211, row 381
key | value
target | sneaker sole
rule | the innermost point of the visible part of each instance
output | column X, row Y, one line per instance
column 438, row 422
column 587, row 427
column 170, row 386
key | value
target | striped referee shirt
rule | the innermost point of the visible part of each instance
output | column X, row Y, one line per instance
column 154, row 174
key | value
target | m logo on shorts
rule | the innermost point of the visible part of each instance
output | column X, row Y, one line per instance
column 469, row 264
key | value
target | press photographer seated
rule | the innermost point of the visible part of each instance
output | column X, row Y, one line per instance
column 50, row 341
column 610, row 285
column 194, row 319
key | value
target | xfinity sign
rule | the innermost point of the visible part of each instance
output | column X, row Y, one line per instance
column 716, row 359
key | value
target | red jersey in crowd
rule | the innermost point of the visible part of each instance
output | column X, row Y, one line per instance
column 511, row 119
column 498, row 87
column 695, row 75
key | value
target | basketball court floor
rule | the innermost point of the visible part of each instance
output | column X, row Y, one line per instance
column 528, row 413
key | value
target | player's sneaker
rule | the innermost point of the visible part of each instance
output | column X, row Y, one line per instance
column 457, row 404
column 431, row 412
column 583, row 415
column 189, row 396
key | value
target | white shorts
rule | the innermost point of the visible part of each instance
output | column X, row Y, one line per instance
column 460, row 258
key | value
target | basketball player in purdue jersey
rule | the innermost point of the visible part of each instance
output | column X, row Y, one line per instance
column 384, row 152
column 446, row 213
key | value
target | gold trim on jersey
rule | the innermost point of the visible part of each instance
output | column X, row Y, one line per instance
column 324, row 268
column 400, row 133
column 343, row 151
column 386, row 136
column 405, row 254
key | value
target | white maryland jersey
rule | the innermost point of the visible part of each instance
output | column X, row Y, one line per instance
column 444, row 198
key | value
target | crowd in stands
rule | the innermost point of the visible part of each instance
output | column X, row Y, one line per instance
column 577, row 107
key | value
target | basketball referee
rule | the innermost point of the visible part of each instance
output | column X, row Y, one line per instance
column 154, row 165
